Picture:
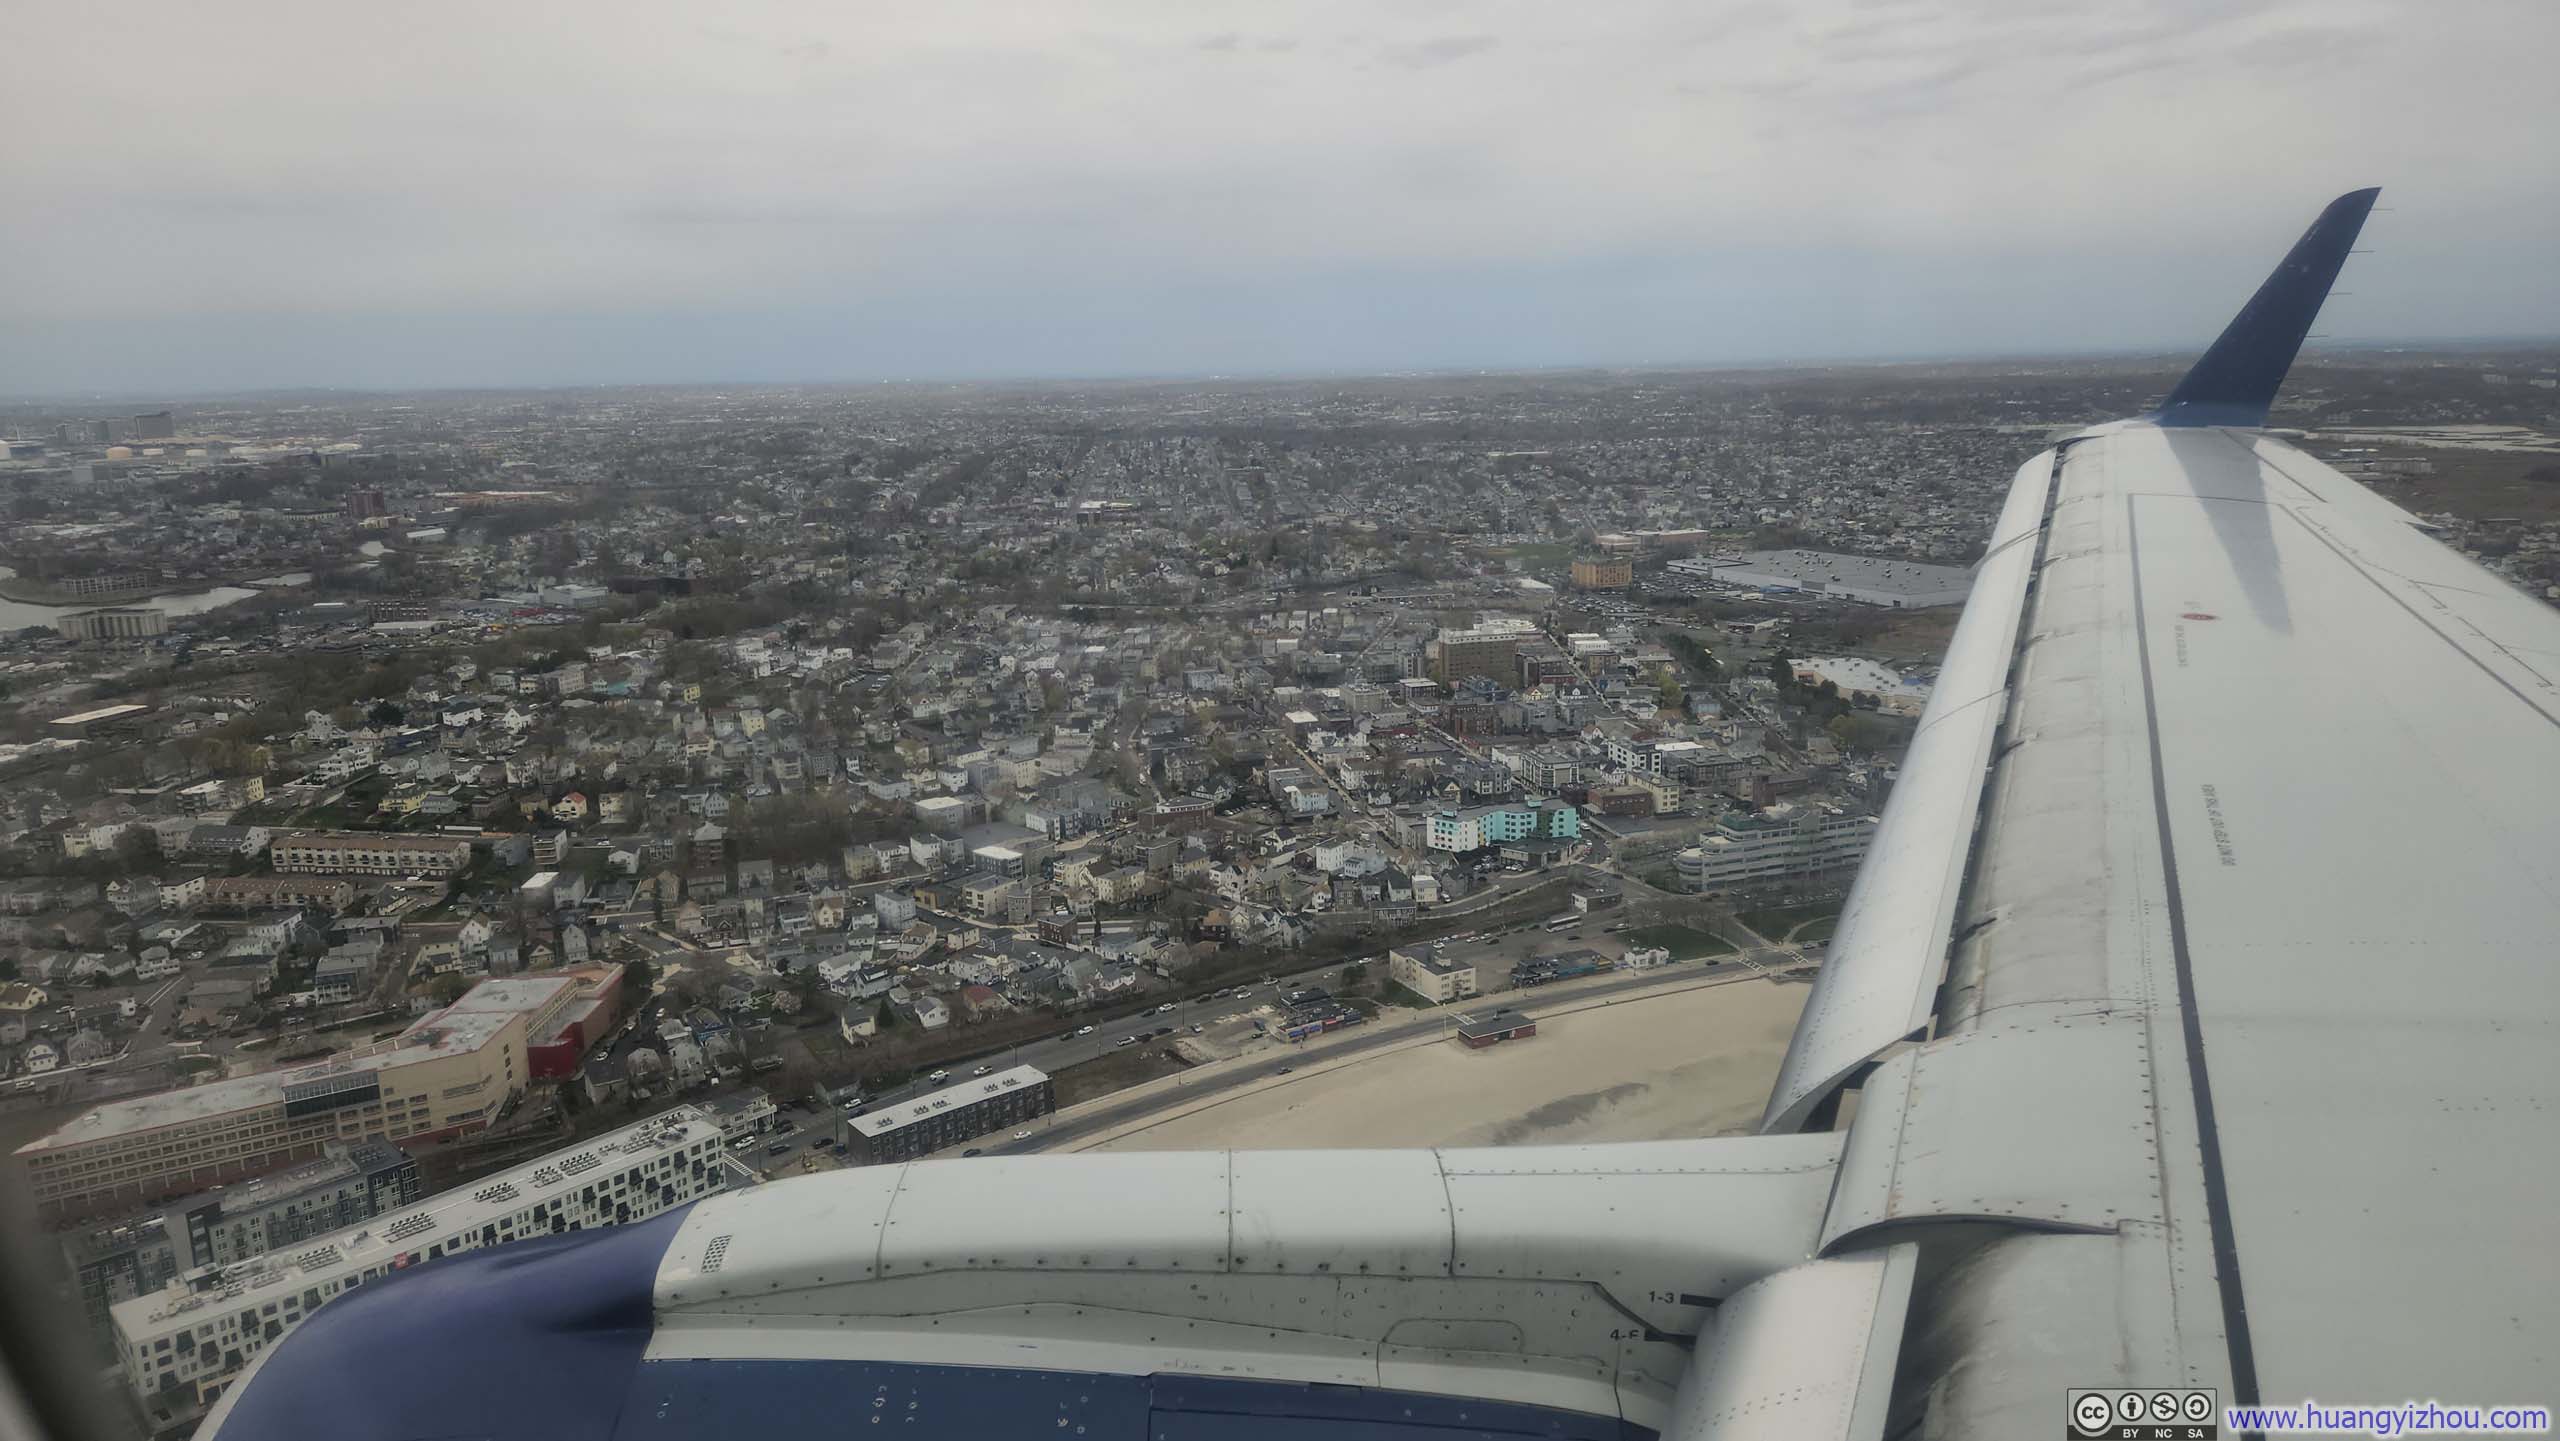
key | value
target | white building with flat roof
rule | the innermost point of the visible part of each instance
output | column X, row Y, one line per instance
column 181, row 1345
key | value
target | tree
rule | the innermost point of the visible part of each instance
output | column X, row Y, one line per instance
column 884, row 1018
column 445, row 990
column 137, row 848
column 637, row 979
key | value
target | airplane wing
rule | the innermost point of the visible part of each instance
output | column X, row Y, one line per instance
column 2191, row 1024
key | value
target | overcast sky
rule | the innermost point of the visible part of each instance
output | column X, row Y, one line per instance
column 282, row 192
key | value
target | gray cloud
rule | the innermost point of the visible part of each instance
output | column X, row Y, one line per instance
column 306, row 191
column 1438, row 50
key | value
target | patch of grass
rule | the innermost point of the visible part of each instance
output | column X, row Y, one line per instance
column 1543, row 555
column 1117, row 1071
column 1818, row 929
column 1685, row 943
column 1775, row 921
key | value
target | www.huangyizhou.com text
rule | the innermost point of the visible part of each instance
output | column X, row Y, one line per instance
column 2409, row 1418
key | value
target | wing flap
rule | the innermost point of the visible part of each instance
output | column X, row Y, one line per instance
column 1879, row 982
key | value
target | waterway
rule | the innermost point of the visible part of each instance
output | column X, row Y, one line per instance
column 18, row 614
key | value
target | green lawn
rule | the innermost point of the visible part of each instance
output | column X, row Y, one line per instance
column 1775, row 921
column 1685, row 943
column 1818, row 929
column 1543, row 556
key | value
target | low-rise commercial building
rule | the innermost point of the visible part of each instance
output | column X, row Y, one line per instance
column 451, row 1073
column 1491, row 1028
column 181, row 1345
column 953, row 1114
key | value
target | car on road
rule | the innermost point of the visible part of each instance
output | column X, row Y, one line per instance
column 777, row 1148
column 1161, row 1031
column 1124, row 1041
column 939, row 1077
column 1284, row 1070
column 1196, row 1030
column 1022, row 1135
column 1084, row 1030
column 983, row 1071
column 973, row 1151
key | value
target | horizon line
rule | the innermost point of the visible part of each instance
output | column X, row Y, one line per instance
column 1243, row 377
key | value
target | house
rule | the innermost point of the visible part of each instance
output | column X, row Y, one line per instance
column 39, row 1057
column 858, row 1019
column 605, row 1077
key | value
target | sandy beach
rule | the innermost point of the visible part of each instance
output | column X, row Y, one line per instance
column 1689, row 1063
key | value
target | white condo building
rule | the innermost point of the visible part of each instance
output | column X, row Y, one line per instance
column 181, row 1345
column 1783, row 845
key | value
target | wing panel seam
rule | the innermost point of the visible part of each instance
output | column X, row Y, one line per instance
column 2217, row 1196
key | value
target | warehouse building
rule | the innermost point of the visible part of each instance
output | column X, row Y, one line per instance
column 181, row 1345
column 952, row 1115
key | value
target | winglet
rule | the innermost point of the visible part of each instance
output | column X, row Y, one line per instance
column 2236, row 381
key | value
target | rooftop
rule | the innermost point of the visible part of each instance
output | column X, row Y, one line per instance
column 1867, row 572
column 978, row 1088
column 445, row 1214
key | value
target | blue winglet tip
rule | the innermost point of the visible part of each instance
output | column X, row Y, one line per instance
column 2235, row 382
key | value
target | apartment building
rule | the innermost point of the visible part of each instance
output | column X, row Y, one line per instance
column 113, row 623
column 182, row 1345
column 1425, row 973
column 953, row 1114
column 257, row 893
column 1784, row 846
column 369, row 853
column 1477, row 827
column 139, row 1254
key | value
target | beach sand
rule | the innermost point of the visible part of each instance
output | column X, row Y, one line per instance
column 1690, row 1063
